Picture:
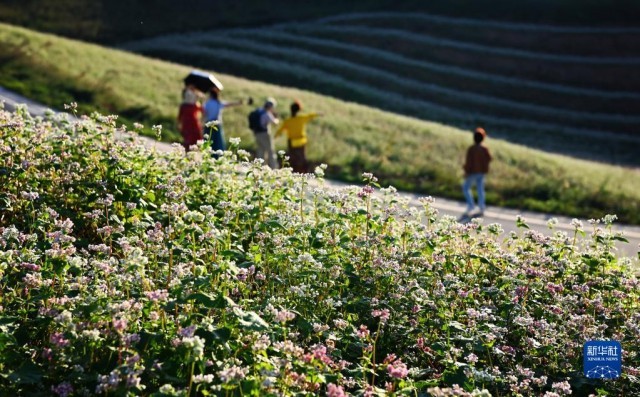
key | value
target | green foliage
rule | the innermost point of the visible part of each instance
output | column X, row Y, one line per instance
column 125, row 271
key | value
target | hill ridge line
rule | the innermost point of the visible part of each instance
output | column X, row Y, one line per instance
column 397, row 58
column 463, row 45
column 463, row 95
column 481, row 23
column 443, row 68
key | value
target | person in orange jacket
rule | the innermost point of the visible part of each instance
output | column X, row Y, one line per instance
column 295, row 128
column 476, row 167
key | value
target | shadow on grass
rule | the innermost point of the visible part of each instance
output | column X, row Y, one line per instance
column 23, row 74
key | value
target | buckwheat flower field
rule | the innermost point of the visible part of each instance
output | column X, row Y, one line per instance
column 130, row 272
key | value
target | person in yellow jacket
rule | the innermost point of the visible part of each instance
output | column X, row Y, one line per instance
column 295, row 128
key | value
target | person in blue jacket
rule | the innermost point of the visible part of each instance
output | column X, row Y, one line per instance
column 212, row 112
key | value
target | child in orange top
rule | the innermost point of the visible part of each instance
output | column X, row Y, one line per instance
column 295, row 128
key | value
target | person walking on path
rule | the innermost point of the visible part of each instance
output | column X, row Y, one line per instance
column 213, row 118
column 189, row 116
column 295, row 128
column 476, row 167
column 264, row 141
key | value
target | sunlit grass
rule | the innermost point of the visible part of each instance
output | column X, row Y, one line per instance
column 405, row 152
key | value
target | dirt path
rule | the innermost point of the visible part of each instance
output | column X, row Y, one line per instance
column 504, row 216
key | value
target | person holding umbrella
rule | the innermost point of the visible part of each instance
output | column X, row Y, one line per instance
column 189, row 116
column 202, row 81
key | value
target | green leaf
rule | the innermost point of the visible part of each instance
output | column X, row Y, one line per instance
column 6, row 339
column 8, row 320
column 480, row 258
column 28, row 373
column 423, row 384
column 275, row 225
column 5, row 203
column 218, row 336
column 521, row 224
column 115, row 218
column 210, row 302
column 456, row 376
column 222, row 334
column 234, row 254
column 250, row 387
column 250, row 320
column 457, row 326
column 150, row 338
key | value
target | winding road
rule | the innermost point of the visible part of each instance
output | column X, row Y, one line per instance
column 504, row 216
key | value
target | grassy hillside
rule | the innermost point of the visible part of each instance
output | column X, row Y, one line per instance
column 115, row 20
column 542, row 86
column 562, row 89
column 405, row 152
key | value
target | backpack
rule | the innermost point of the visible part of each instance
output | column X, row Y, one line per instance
column 254, row 120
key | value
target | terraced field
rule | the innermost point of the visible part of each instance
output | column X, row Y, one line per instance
column 564, row 89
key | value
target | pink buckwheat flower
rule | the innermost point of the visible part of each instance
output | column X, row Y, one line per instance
column 232, row 373
column 282, row 316
column 390, row 358
column 562, row 388
column 472, row 358
column 157, row 295
column 398, row 369
column 362, row 332
column 30, row 266
column 384, row 314
column 369, row 392
column 47, row 354
column 335, row 391
column 366, row 191
column 59, row 340
column 119, row 324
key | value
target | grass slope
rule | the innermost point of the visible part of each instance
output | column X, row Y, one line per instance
column 503, row 76
column 407, row 153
